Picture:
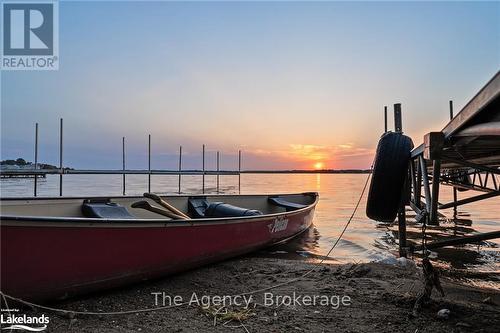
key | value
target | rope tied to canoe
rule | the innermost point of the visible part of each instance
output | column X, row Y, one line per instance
column 72, row 313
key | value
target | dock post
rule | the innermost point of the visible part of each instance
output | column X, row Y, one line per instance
column 402, row 230
column 398, row 123
column 436, row 172
column 149, row 163
column 398, row 128
column 455, row 194
column 455, row 199
column 218, row 169
column 180, row 168
column 61, row 157
column 123, row 164
column 425, row 181
column 418, row 185
column 402, row 218
column 239, row 171
column 434, row 143
column 36, row 160
column 385, row 119
column 203, row 171
column 413, row 194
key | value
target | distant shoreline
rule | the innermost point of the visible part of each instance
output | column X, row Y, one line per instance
column 53, row 170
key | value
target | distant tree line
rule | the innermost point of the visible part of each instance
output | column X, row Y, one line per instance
column 23, row 162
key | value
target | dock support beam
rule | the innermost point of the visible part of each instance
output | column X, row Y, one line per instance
column 470, row 199
column 459, row 241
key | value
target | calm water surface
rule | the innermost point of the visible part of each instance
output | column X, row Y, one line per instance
column 364, row 241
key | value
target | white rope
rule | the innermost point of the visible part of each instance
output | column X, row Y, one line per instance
column 114, row 313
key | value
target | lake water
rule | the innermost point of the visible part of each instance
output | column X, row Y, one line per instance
column 365, row 240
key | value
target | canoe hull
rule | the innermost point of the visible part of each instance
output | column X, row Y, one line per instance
column 44, row 260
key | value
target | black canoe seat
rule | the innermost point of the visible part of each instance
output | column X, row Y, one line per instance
column 201, row 208
column 104, row 209
column 281, row 202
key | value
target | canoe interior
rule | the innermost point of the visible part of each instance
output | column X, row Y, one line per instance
column 72, row 207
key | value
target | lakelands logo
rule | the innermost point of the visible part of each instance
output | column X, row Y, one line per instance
column 12, row 320
column 30, row 35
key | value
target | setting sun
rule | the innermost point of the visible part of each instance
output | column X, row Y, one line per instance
column 319, row 165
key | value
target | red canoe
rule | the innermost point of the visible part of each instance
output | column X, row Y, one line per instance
column 53, row 248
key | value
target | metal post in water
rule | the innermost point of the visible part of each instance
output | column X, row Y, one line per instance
column 36, row 159
column 402, row 230
column 455, row 194
column 239, row 171
column 398, row 123
column 455, row 199
column 218, row 171
column 385, row 119
column 123, row 163
column 149, row 163
column 203, row 171
column 61, row 157
column 425, row 181
column 436, row 172
column 418, row 185
column 398, row 128
column 180, row 167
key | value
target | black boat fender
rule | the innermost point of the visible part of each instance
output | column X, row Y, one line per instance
column 388, row 176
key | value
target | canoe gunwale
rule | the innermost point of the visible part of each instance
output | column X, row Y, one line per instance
column 138, row 222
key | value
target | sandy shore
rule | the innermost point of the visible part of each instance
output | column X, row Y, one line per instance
column 333, row 298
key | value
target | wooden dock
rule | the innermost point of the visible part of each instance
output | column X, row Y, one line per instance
column 465, row 154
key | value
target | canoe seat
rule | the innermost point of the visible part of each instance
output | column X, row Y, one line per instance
column 104, row 209
column 201, row 208
column 288, row 205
